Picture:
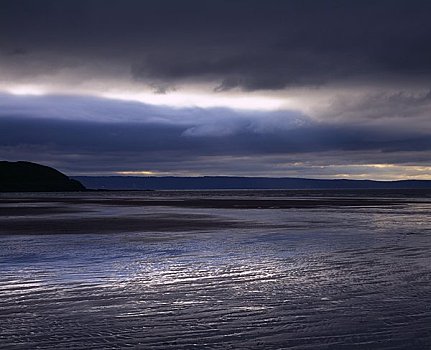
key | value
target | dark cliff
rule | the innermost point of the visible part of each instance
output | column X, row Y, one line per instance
column 32, row 177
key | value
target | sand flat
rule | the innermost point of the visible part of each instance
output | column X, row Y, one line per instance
column 104, row 268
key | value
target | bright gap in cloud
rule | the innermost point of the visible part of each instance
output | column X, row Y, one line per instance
column 137, row 173
column 184, row 99
column 26, row 90
column 176, row 99
column 383, row 172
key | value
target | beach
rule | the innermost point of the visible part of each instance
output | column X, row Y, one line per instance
column 216, row 269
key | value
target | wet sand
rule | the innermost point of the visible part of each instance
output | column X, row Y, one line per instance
column 42, row 214
column 48, row 215
column 205, row 203
column 229, row 271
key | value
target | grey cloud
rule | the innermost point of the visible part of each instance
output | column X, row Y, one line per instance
column 189, row 139
column 406, row 110
column 243, row 44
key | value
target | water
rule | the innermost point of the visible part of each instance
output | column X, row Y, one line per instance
column 101, row 270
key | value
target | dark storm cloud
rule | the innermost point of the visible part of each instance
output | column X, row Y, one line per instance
column 374, row 56
column 383, row 106
column 124, row 135
column 249, row 44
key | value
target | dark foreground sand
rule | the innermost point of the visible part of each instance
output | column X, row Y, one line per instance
column 39, row 214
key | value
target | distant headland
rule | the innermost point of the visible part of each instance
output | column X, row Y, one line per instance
column 139, row 183
column 31, row 177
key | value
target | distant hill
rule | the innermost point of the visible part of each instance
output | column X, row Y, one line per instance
column 32, row 177
column 227, row 182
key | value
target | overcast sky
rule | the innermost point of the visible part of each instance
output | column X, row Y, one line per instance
column 321, row 89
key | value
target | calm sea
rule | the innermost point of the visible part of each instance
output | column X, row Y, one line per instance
column 104, row 271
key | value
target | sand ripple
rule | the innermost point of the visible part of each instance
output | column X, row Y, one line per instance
column 355, row 279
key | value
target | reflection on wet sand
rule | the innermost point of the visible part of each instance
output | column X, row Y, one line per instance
column 181, row 277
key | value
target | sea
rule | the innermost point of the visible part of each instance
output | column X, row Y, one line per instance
column 170, row 270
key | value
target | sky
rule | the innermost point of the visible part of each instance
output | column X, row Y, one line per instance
column 277, row 88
